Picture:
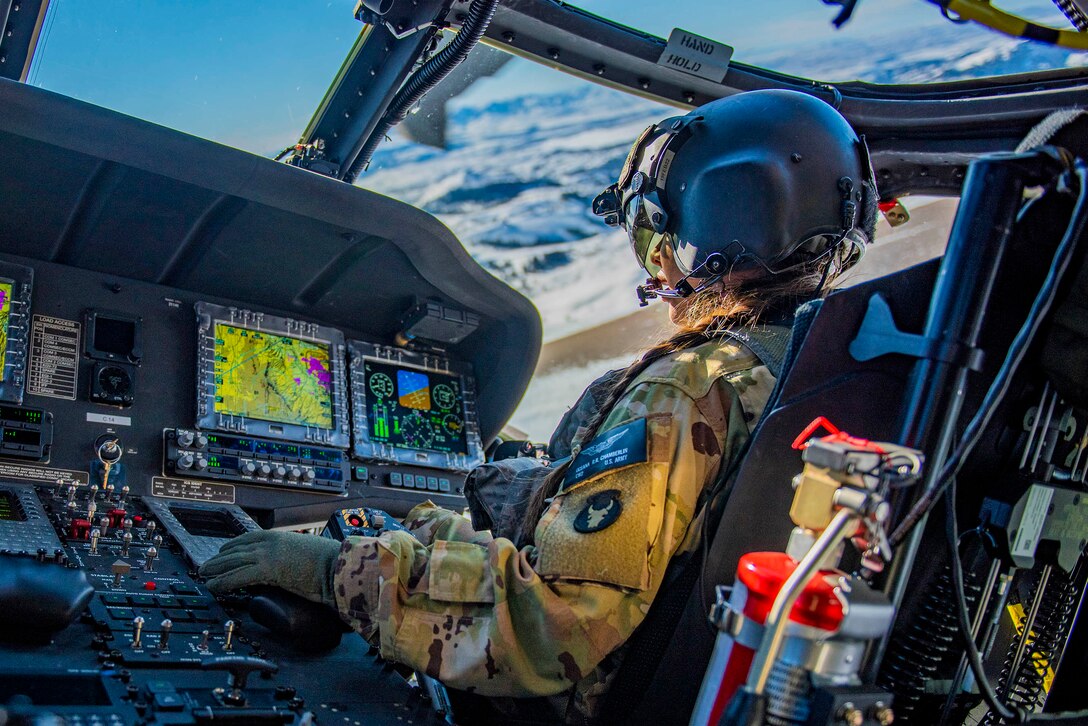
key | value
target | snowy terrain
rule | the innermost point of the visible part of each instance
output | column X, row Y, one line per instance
column 515, row 186
column 516, row 182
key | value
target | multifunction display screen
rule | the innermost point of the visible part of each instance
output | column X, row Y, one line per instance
column 272, row 377
column 412, row 408
column 10, row 511
column 5, row 318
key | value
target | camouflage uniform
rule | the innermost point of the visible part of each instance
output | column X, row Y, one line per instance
column 547, row 620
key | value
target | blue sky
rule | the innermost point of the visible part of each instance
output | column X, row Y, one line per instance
column 251, row 74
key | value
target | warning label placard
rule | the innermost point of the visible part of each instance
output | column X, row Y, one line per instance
column 54, row 357
column 26, row 472
column 196, row 491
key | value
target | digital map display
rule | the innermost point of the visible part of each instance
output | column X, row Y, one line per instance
column 5, row 317
column 414, row 409
column 272, row 377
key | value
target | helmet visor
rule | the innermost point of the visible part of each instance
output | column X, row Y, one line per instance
column 645, row 241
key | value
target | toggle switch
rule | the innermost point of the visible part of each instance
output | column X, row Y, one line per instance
column 149, row 563
column 119, row 568
column 95, row 534
column 137, row 632
column 228, row 632
column 126, row 541
column 79, row 529
column 164, row 641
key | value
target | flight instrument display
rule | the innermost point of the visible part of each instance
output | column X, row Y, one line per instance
column 272, row 377
column 6, row 290
column 16, row 283
column 265, row 375
column 414, row 409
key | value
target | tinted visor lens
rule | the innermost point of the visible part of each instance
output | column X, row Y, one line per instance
column 644, row 240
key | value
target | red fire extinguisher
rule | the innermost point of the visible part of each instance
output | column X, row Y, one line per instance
column 816, row 615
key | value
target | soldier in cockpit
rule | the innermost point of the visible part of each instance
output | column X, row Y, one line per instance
column 739, row 212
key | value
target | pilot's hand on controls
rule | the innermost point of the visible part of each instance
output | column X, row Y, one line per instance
column 299, row 563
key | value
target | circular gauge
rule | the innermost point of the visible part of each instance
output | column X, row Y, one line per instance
column 381, row 385
column 453, row 423
column 416, row 431
column 114, row 381
column 444, row 396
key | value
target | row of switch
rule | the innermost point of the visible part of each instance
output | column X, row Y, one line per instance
column 92, row 719
column 162, row 601
column 187, row 460
column 175, row 615
column 409, row 481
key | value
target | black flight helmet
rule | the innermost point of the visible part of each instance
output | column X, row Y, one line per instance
column 765, row 180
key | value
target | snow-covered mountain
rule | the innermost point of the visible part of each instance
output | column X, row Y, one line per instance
column 515, row 187
column 516, row 182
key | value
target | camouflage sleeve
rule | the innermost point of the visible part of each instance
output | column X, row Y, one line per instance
column 536, row 621
column 429, row 522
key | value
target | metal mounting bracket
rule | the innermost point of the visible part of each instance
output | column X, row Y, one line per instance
column 879, row 336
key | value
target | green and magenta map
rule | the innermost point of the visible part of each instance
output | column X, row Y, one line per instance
column 272, row 377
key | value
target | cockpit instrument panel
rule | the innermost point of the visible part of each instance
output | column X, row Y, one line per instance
column 413, row 408
column 270, row 376
column 16, row 284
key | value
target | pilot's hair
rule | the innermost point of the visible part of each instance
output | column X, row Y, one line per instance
column 729, row 305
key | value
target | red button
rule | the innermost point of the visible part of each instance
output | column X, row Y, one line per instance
column 149, row 585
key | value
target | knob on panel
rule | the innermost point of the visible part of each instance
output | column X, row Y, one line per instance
column 185, row 438
column 185, row 461
column 201, row 463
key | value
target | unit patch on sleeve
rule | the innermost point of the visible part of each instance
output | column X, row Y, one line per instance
column 599, row 512
column 613, row 449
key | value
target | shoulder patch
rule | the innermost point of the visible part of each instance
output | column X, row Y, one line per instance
column 613, row 449
column 599, row 512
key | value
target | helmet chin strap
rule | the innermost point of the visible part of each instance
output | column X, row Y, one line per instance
column 712, row 270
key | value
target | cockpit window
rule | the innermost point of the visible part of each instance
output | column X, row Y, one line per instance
column 886, row 41
column 247, row 75
column 515, row 179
